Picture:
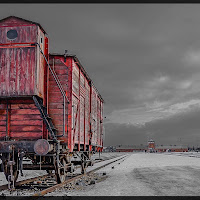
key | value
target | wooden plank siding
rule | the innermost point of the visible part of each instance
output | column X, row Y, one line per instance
column 85, row 113
column 55, row 98
column 24, row 74
column 21, row 63
column 94, row 116
column 24, row 121
column 16, row 74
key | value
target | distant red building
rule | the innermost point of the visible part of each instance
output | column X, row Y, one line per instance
column 131, row 148
column 151, row 146
column 172, row 148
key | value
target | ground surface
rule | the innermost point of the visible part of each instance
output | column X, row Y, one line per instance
column 148, row 175
column 142, row 174
column 34, row 173
column 104, row 158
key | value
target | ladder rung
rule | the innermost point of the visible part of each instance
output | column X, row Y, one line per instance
column 53, row 128
column 44, row 107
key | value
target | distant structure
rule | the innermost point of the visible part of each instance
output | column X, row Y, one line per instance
column 151, row 146
column 172, row 148
column 131, row 148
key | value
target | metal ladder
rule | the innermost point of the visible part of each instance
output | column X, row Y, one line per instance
column 46, row 118
column 60, row 88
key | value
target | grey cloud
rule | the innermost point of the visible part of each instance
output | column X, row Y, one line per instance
column 179, row 129
column 124, row 48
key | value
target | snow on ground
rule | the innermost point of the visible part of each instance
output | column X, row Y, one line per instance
column 147, row 175
column 34, row 173
column 143, row 174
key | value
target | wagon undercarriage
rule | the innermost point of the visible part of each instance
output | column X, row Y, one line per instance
column 62, row 164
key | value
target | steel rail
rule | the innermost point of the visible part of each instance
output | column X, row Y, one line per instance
column 19, row 183
column 53, row 188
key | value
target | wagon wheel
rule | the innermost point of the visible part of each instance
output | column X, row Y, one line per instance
column 49, row 171
column 83, row 164
column 83, row 167
column 61, row 171
column 6, row 168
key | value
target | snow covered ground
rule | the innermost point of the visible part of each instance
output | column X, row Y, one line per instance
column 147, row 174
column 144, row 174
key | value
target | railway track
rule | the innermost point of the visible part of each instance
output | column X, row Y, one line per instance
column 47, row 183
column 53, row 188
column 23, row 182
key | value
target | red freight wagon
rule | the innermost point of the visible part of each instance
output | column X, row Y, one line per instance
column 50, row 110
column 85, row 110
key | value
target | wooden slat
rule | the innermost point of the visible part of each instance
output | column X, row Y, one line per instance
column 25, row 117
column 26, row 122
column 2, row 122
column 56, row 99
column 62, row 76
column 3, row 106
column 56, row 111
column 55, row 105
column 2, row 112
column 2, row 128
column 63, row 82
column 55, row 95
column 23, row 106
column 26, row 135
column 59, row 128
column 2, row 134
column 20, row 101
column 2, row 117
column 54, row 92
column 57, row 121
column 54, row 88
column 26, row 128
column 61, row 66
column 25, row 111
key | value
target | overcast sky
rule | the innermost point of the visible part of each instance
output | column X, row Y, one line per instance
column 143, row 58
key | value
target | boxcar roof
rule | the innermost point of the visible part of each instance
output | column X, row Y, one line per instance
column 25, row 20
column 81, row 67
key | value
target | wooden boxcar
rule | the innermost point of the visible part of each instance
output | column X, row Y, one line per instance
column 50, row 110
column 85, row 108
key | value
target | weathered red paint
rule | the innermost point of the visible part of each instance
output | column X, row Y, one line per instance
column 11, row 47
column 46, row 53
column 24, row 73
column 21, row 65
column 24, row 120
column 86, row 113
column 55, row 98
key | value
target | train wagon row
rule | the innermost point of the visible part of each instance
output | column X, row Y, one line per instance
column 50, row 110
